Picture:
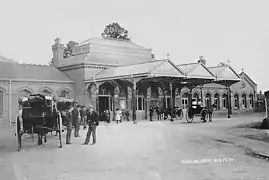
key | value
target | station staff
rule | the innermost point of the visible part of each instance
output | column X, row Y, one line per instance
column 93, row 122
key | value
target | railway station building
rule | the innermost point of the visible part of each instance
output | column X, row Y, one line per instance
column 111, row 74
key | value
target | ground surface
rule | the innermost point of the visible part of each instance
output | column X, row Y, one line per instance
column 147, row 150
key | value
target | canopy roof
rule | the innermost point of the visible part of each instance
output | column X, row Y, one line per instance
column 196, row 70
column 224, row 73
column 157, row 68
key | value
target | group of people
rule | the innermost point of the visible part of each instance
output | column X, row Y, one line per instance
column 77, row 115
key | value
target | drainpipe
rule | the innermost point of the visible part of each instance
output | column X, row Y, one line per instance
column 10, row 102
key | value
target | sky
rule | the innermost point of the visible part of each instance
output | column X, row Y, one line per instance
column 234, row 30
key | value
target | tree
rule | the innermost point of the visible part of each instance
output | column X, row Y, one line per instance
column 68, row 49
column 115, row 31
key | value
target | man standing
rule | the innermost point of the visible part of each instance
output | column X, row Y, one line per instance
column 151, row 112
column 69, row 124
column 76, row 121
column 93, row 122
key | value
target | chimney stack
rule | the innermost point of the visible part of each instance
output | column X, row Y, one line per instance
column 201, row 60
column 58, row 52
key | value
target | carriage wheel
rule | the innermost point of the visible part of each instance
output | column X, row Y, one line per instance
column 18, row 126
column 206, row 116
column 189, row 117
column 181, row 115
column 60, row 127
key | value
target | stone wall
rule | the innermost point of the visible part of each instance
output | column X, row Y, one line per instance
column 31, row 87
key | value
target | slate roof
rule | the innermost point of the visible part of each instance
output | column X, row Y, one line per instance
column 104, row 59
column 3, row 59
column 223, row 72
column 111, row 42
column 155, row 68
column 107, row 52
column 196, row 70
column 16, row 71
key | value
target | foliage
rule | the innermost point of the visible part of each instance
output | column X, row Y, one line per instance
column 68, row 48
column 115, row 31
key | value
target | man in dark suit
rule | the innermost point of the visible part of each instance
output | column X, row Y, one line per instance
column 76, row 119
column 93, row 122
column 69, row 124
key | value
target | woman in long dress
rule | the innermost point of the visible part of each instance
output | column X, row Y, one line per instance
column 118, row 114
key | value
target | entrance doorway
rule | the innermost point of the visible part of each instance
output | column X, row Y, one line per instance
column 104, row 102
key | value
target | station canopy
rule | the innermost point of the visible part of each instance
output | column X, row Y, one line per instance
column 152, row 69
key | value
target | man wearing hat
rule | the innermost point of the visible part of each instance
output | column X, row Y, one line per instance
column 93, row 122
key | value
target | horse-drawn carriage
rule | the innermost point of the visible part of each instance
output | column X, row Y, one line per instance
column 196, row 111
column 38, row 114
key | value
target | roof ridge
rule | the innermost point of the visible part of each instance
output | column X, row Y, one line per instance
column 141, row 63
column 186, row 64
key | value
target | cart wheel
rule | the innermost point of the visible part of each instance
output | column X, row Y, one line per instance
column 18, row 126
column 60, row 127
column 181, row 115
column 204, row 112
column 189, row 117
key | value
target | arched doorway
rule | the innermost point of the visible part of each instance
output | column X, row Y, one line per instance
column 236, row 101
column 185, row 101
column 217, row 100
column 167, row 99
column 224, row 101
column 208, row 99
column 244, row 101
column 251, row 105
column 105, row 99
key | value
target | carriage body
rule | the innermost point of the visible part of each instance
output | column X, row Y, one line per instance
column 37, row 116
column 198, row 111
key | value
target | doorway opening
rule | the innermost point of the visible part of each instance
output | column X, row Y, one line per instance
column 104, row 104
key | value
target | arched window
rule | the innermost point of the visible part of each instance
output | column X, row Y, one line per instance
column 208, row 99
column 236, row 101
column 224, row 101
column 251, row 100
column 46, row 92
column 185, row 101
column 64, row 93
column 217, row 100
column 24, row 93
column 195, row 97
column 244, row 101
column 1, row 103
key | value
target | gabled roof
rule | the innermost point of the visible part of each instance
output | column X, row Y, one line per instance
column 157, row 68
column 196, row 70
column 249, row 79
column 224, row 72
column 16, row 71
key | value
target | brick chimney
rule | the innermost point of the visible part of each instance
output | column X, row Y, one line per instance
column 201, row 60
column 58, row 52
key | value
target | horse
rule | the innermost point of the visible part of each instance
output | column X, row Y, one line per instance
column 209, row 111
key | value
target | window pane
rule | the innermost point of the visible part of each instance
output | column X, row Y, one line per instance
column 139, row 103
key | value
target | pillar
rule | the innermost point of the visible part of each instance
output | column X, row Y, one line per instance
column 97, row 98
column 229, row 101
column 134, row 102
column 171, row 100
